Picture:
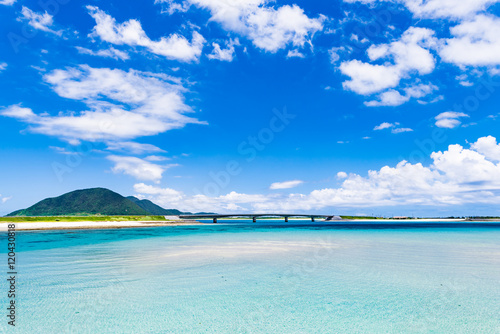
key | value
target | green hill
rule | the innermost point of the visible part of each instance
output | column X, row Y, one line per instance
column 153, row 208
column 83, row 202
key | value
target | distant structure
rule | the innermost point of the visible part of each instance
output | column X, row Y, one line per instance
column 254, row 216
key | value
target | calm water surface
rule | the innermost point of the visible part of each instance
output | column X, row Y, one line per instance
column 268, row 277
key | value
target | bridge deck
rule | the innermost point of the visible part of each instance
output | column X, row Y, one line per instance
column 254, row 216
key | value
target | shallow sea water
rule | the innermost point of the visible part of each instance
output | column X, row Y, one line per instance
column 268, row 277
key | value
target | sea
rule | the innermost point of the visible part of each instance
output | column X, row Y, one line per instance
column 266, row 277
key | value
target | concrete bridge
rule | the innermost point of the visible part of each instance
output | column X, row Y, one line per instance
column 254, row 216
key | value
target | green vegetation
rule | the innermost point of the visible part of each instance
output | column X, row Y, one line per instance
column 81, row 218
column 84, row 202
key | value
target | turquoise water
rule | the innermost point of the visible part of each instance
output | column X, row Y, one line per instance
column 261, row 278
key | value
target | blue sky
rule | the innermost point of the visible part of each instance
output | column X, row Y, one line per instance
column 353, row 107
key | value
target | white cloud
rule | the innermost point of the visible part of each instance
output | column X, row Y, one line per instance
column 449, row 119
column 137, row 168
column 295, row 54
column 108, row 53
column 367, row 78
column 39, row 21
column 4, row 199
column 3, row 66
column 342, row 175
column 122, row 105
column 407, row 56
column 392, row 126
column 488, row 147
column 334, row 55
column 19, row 112
column 401, row 130
column 388, row 98
column 384, row 125
column 476, row 42
column 440, row 8
column 456, row 176
column 269, row 28
column 7, row 2
column 162, row 195
column 225, row 54
column 156, row 158
column 285, row 184
column 447, row 8
column 170, row 6
column 131, row 33
column 394, row 98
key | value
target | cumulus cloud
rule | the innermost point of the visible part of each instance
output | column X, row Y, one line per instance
column 138, row 168
column 285, row 184
column 7, row 2
column 440, row 8
column 131, row 33
column 108, row 53
column 400, row 59
column 393, row 98
column 475, row 42
column 269, row 28
column 39, row 21
column 456, row 176
column 121, row 105
column 449, row 119
column 488, row 147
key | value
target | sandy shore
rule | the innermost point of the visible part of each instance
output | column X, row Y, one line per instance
column 58, row 225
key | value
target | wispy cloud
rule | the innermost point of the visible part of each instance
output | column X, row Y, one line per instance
column 131, row 33
column 39, row 21
column 285, row 184
column 392, row 126
column 121, row 106
column 225, row 54
column 138, row 168
column 108, row 53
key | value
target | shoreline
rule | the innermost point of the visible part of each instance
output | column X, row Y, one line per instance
column 93, row 225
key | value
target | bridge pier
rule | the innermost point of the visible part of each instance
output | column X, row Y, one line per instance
column 312, row 219
column 215, row 220
column 254, row 219
column 286, row 219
